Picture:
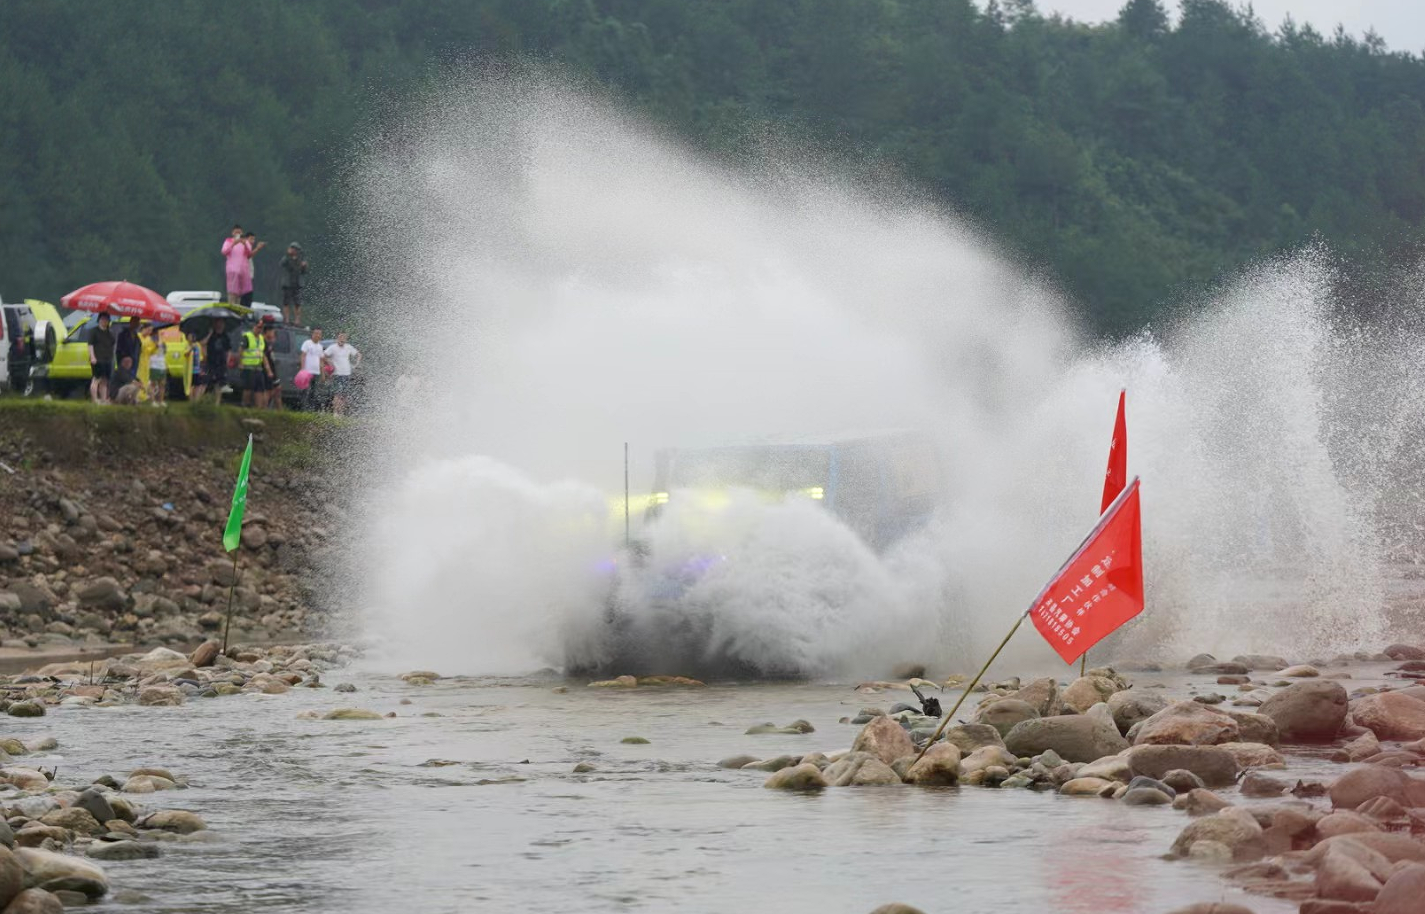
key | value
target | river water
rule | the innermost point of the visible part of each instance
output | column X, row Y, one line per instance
column 309, row 816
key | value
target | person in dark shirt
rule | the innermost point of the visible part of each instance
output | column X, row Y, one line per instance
column 126, row 341
column 218, row 348
column 101, row 360
column 271, row 385
column 124, row 384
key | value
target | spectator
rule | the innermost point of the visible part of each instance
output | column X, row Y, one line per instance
column 101, row 360
column 219, row 348
column 126, row 341
column 253, row 367
column 195, row 365
column 344, row 359
column 271, row 383
column 313, row 358
column 153, row 368
column 253, row 246
column 239, row 277
column 293, row 269
column 126, row 387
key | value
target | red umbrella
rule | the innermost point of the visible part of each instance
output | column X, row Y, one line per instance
column 124, row 299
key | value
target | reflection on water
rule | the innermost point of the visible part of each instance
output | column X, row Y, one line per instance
column 479, row 810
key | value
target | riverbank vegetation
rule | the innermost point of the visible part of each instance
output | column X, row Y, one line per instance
column 1129, row 162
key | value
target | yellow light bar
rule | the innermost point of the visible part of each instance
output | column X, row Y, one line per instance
column 815, row 492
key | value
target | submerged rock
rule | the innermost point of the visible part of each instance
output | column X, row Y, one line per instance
column 797, row 777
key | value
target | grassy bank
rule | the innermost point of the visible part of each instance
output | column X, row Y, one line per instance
column 79, row 433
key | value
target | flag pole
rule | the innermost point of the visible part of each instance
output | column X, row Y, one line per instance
column 228, row 622
column 970, row 687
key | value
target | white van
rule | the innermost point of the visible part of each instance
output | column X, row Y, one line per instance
column 184, row 302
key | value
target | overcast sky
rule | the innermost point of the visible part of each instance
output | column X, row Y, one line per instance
column 1400, row 22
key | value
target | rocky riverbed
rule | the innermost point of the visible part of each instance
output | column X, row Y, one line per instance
column 1351, row 842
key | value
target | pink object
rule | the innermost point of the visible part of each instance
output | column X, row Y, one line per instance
column 238, row 271
column 303, row 380
column 122, row 298
column 328, row 367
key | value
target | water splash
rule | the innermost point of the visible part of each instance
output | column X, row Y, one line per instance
column 562, row 278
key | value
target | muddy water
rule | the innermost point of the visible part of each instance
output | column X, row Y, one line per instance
column 478, row 810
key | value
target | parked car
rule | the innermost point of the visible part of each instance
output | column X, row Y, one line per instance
column 185, row 302
column 28, row 338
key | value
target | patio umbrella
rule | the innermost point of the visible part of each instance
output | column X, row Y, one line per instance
column 122, row 298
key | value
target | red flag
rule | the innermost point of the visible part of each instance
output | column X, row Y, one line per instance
column 1117, row 476
column 1100, row 587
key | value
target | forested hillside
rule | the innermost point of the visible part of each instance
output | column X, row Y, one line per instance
column 1129, row 161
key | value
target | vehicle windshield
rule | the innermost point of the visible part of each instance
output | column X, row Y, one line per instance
column 75, row 318
column 769, row 469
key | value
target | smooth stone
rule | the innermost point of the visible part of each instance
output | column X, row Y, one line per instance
column 178, row 821
column 939, row 767
column 885, row 739
column 860, row 769
column 351, row 714
column 1390, row 715
column 1240, row 833
column 1085, row 787
column 1182, row 781
column 1403, row 892
column 1133, row 706
column 1146, row 796
column 111, row 851
column 771, row 764
column 797, row 777
column 48, row 868
column 1076, row 738
column 1308, row 712
column 1005, row 714
column 737, row 761
column 35, row 901
column 1187, row 723
column 1216, row 766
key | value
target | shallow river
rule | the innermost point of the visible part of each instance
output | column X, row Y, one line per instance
column 346, row 816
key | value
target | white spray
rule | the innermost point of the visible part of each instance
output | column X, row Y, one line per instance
column 558, row 279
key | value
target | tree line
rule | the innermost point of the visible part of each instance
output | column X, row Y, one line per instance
column 1129, row 162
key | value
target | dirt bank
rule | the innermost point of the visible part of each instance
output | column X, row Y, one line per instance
column 111, row 524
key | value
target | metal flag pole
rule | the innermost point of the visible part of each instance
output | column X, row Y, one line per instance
column 970, row 687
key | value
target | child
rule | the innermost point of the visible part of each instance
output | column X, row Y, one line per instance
column 153, row 368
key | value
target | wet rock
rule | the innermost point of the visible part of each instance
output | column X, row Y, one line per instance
column 1041, row 694
column 1392, row 847
column 1390, row 715
column 204, row 654
column 50, row 870
column 1255, row 728
column 1132, row 706
column 969, row 737
column 346, row 687
column 1187, row 723
column 1200, row 802
column 797, row 777
column 736, row 761
column 26, row 708
column 1267, row 662
column 103, row 593
column 885, row 739
column 671, row 682
column 795, row 727
column 1004, row 714
column 12, row 877
column 1234, row 829
column 1110, row 768
column 1256, row 784
column 27, row 779
column 621, row 682
column 897, row 908
column 1086, row 691
column 1353, row 788
column 986, row 757
column 860, row 769
column 1076, row 738
column 771, row 764
column 1301, row 671
column 1308, row 712
column 351, row 714
column 1182, row 781
column 634, row 741
column 1344, row 823
column 116, row 851
column 161, row 696
column 1403, row 891
column 178, row 821
column 1405, row 652
column 35, row 901
column 1349, row 873
column 75, row 819
column 1086, row 787
column 939, row 767
column 1254, row 755
column 1216, row 766
column 1362, row 747
column 1146, row 796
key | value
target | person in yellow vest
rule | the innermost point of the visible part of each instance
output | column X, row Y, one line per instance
column 254, row 373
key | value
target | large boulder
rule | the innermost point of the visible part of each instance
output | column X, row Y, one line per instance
column 885, row 739
column 1216, row 766
column 1042, row 695
column 1076, row 738
column 1394, row 847
column 1086, row 691
column 1235, row 829
column 940, row 767
column 969, row 737
column 1255, row 728
column 1133, row 705
column 860, row 769
column 1405, row 652
column 1353, row 788
column 1188, row 723
column 35, row 901
column 53, row 871
column 1347, row 872
column 1005, row 714
column 12, row 876
column 1254, row 755
column 1308, row 712
column 1403, row 891
column 1390, row 715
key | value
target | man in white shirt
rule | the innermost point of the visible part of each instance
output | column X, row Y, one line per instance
column 344, row 357
column 313, row 355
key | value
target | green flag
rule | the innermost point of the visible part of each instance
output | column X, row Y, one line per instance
column 232, row 536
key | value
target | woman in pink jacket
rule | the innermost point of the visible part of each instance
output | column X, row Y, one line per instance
column 239, row 276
